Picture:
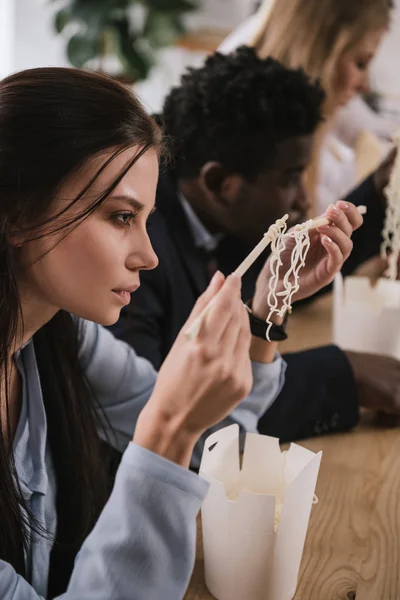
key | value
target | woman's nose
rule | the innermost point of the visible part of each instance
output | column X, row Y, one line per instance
column 143, row 256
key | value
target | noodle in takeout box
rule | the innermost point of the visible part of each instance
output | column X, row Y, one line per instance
column 255, row 518
column 366, row 315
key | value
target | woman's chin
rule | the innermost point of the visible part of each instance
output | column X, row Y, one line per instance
column 348, row 98
column 104, row 318
column 109, row 319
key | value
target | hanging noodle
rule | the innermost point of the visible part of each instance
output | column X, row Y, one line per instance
column 298, row 257
column 390, row 247
column 301, row 237
column 276, row 232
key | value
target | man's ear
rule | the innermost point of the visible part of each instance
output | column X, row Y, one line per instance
column 218, row 182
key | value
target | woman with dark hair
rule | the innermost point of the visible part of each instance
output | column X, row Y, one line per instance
column 78, row 174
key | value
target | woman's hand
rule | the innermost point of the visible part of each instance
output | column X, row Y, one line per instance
column 330, row 247
column 201, row 380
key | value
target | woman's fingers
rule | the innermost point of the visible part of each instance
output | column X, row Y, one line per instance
column 204, row 300
column 242, row 352
column 244, row 338
column 234, row 346
column 339, row 238
column 236, row 329
column 350, row 210
column 335, row 257
column 222, row 309
column 339, row 219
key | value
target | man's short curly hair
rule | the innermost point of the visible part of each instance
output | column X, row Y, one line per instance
column 235, row 109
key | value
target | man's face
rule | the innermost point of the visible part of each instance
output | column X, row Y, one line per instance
column 273, row 193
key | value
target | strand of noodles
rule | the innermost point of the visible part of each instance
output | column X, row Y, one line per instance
column 391, row 271
column 277, row 247
column 300, row 235
column 388, row 226
column 298, row 260
column 266, row 240
column 390, row 247
column 391, row 234
column 269, row 237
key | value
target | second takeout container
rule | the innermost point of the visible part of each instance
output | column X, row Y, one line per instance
column 366, row 318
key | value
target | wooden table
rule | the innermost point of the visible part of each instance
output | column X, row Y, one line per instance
column 352, row 549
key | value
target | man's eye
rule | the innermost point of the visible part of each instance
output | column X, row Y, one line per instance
column 291, row 180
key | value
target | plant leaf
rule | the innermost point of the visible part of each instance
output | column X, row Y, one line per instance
column 162, row 29
column 81, row 49
column 136, row 61
column 94, row 15
column 61, row 18
column 96, row 19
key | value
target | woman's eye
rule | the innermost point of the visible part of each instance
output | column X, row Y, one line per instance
column 124, row 218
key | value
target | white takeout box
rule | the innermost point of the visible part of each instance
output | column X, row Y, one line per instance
column 245, row 559
column 366, row 318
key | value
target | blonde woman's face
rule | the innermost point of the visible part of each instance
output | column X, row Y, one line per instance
column 352, row 74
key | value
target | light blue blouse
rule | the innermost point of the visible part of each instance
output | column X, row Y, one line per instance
column 143, row 545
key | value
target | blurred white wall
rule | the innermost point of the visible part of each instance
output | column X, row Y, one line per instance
column 386, row 70
column 6, row 37
column 35, row 42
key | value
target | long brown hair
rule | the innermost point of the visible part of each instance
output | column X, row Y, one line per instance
column 52, row 121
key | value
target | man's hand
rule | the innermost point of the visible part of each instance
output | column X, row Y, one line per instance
column 378, row 381
column 330, row 247
column 373, row 268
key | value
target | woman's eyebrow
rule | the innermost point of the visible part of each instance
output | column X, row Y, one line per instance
column 138, row 206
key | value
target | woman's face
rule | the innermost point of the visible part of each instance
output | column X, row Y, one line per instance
column 352, row 73
column 92, row 270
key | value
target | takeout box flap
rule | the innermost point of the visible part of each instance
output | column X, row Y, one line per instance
column 220, row 459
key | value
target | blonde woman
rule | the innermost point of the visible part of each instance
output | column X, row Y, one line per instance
column 333, row 41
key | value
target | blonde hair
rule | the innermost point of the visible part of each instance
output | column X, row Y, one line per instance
column 315, row 35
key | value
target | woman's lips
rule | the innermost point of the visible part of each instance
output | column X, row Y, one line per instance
column 124, row 295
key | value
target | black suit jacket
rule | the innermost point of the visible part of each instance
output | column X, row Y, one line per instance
column 319, row 394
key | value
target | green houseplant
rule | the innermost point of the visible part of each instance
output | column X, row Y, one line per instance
column 125, row 32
